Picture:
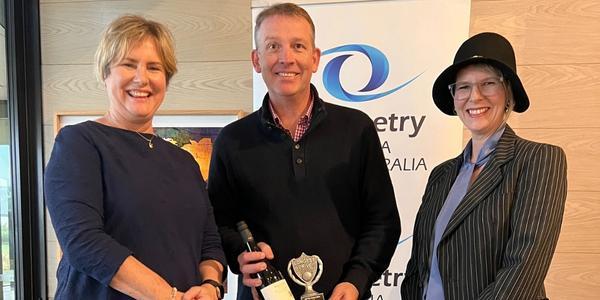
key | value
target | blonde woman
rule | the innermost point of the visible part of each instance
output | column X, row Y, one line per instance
column 130, row 210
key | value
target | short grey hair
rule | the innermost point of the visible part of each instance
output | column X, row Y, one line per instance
column 283, row 9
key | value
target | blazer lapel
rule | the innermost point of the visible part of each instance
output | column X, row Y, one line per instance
column 486, row 182
column 438, row 189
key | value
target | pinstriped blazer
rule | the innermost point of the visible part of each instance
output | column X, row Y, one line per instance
column 500, row 240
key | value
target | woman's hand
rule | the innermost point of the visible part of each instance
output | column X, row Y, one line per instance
column 202, row 292
column 210, row 269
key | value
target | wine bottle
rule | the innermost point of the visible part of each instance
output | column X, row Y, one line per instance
column 274, row 286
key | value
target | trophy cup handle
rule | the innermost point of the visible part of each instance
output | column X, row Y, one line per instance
column 319, row 269
column 296, row 280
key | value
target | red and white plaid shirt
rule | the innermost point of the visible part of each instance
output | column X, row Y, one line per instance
column 302, row 125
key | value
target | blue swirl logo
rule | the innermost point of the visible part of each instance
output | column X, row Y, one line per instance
column 380, row 71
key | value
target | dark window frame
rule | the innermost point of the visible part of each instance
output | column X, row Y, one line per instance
column 27, row 156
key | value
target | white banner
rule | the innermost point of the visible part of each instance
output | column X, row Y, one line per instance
column 382, row 57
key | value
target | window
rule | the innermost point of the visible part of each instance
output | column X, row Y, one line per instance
column 22, row 250
column 7, row 248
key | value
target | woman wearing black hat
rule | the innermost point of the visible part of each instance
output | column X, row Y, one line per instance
column 490, row 218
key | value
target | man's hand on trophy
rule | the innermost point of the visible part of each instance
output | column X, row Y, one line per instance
column 344, row 291
column 252, row 263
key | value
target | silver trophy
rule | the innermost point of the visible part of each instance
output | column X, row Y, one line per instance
column 306, row 271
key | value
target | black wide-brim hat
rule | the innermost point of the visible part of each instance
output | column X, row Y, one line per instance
column 488, row 48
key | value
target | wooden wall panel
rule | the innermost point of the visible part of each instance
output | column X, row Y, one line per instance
column 264, row 3
column 561, row 96
column 543, row 31
column 48, row 143
column 208, row 30
column 71, row 1
column 219, row 85
column 213, row 44
column 582, row 147
column 574, row 277
column 558, row 55
column 556, row 41
column 579, row 233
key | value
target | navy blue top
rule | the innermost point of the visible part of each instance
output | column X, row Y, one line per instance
column 110, row 196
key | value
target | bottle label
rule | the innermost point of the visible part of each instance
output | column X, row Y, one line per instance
column 277, row 291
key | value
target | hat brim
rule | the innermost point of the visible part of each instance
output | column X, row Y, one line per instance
column 443, row 99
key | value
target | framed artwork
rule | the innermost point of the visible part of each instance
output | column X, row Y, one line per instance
column 194, row 131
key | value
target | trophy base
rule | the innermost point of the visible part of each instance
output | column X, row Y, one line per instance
column 315, row 296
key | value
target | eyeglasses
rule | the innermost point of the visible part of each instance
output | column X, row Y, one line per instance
column 462, row 90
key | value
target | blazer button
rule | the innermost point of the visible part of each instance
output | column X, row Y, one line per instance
column 299, row 160
column 297, row 146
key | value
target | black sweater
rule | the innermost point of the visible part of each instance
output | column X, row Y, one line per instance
column 329, row 194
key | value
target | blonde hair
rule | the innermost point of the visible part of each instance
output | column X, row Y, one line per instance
column 125, row 33
column 283, row 9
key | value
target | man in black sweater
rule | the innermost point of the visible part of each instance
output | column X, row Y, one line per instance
column 305, row 175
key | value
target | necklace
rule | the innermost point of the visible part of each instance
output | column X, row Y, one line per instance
column 149, row 140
